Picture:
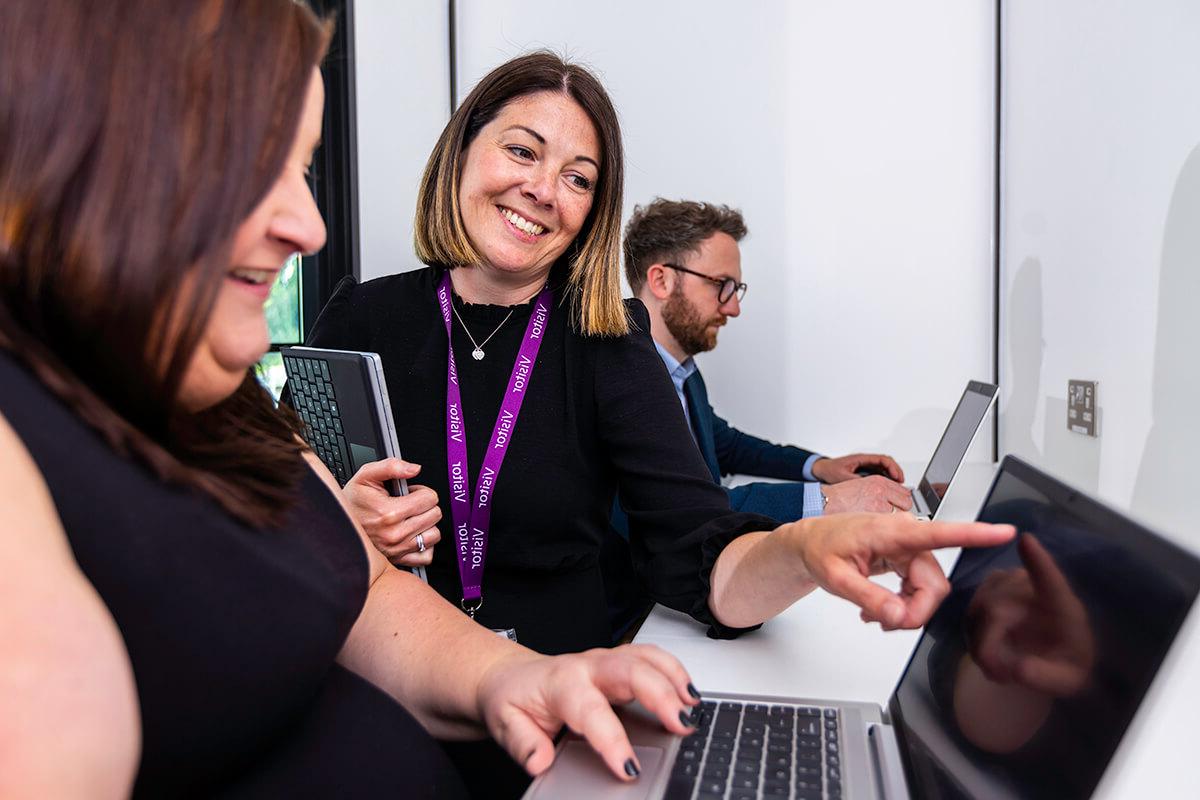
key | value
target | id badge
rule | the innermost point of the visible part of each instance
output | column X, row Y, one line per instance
column 506, row 633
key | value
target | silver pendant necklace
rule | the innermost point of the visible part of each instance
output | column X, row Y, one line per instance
column 478, row 353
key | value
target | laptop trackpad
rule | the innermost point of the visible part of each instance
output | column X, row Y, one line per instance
column 579, row 770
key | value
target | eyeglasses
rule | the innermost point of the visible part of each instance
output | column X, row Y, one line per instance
column 726, row 287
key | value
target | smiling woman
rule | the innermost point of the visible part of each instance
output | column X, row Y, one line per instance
column 187, row 608
column 525, row 446
column 122, row 366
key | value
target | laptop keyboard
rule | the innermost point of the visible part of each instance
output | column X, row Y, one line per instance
column 314, row 401
column 750, row 751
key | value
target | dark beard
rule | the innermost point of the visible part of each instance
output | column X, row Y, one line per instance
column 685, row 324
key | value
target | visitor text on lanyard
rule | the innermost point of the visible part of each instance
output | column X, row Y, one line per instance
column 471, row 516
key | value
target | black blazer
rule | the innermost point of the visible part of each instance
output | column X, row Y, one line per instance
column 600, row 413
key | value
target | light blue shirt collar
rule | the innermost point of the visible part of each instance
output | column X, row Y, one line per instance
column 679, row 372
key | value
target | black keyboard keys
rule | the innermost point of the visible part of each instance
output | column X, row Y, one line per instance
column 752, row 751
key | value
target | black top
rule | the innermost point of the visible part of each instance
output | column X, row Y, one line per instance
column 599, row 413
column 232, row 632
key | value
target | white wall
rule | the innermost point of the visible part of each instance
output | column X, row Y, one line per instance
column 1101, row 256
column 1101, row 276
column 856, row 137
column 402, row 73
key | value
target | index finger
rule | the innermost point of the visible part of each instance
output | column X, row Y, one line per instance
column 892, row 467
column 885, row 463
column 911, row 536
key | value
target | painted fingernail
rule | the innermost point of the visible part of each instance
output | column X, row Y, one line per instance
column 686, row 719
column 631, row 769
column 693, row 692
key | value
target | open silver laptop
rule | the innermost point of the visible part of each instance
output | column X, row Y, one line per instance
column 1021, row 686
column 948, row 456
column 342, row 398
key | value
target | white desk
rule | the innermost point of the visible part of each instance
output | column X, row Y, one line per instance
column 819, row 648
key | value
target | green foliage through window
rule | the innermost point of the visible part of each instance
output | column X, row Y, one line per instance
column 283, row 323
column 283, row 306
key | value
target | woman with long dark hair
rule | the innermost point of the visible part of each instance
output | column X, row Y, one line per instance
column 186, row 608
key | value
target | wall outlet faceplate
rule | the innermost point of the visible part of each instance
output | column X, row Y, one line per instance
column 1081, row 407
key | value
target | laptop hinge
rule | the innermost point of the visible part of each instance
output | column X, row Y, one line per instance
column 920, row 508
column 889, row 771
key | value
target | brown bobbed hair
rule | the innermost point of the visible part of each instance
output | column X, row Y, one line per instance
column 135, row 137
column 668, row 230
column 593, row 260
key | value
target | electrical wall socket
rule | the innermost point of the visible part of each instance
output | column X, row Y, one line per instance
column 1081, row 407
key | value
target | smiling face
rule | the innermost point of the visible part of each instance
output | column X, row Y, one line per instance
column 286, row 221
column 527, row 185
column 693, row 313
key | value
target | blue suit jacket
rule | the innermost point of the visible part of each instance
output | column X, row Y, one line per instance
column 728, row 451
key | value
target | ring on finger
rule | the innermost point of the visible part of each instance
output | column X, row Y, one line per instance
column 420, row 543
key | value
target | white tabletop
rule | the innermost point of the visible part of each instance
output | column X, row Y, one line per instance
column 820, row 649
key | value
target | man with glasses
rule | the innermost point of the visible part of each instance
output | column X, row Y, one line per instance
column 682, row 260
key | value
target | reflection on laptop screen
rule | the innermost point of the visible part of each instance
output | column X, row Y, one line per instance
column 1027, row 676
column 957, row 438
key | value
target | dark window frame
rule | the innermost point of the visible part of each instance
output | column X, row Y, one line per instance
column 335, row 173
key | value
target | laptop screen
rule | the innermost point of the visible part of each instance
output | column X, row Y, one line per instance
column 1026, row 678
column 971, row 409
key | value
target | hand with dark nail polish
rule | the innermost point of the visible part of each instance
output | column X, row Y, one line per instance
column 529, row 699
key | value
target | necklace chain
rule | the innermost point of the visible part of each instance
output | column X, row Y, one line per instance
column 478, row 353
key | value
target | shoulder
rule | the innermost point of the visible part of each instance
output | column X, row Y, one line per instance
column 630, row 359
column 639, row 330
column 356, row 309
column 389, row 288
column 412, row 280
column 66, row 672
column 639, row 317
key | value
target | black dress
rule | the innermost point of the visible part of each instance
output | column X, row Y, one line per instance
column 599, row 413
column 232, row 632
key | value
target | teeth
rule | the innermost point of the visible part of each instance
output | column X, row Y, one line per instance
column 522, row 223
column 255, row 276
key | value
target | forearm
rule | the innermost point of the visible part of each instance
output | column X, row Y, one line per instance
column 739, row 453
column 401, row 644
column 757, row 576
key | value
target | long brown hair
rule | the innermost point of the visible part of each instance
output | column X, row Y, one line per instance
column 134, row 139
column 594, row 257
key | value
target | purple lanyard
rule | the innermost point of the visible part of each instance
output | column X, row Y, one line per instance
column 472, row 520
